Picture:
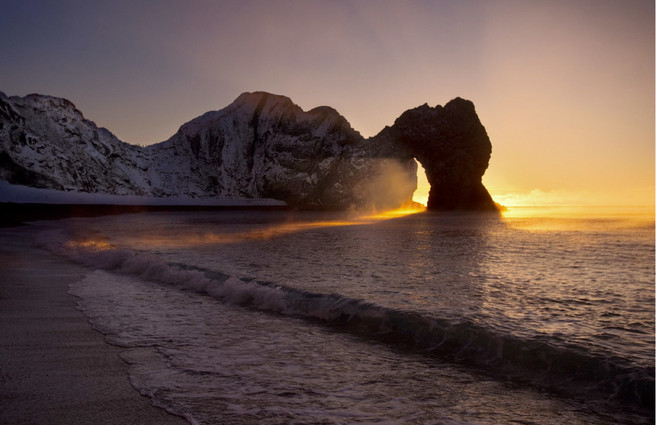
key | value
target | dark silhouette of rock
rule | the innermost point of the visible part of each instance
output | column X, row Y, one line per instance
column 453, row 147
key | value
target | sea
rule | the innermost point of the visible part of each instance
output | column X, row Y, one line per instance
column 247, row 316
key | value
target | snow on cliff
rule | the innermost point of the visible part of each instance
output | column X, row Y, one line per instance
column 260, row 146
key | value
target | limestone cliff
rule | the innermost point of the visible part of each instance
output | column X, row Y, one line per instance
column 260, row 146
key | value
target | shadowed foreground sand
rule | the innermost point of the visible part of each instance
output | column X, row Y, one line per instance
column 54, row 369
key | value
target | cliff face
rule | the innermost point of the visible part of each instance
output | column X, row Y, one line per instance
column 260, row 146
column 46, row 142
column 264, row 145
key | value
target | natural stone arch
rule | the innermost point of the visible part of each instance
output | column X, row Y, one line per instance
column 453, row 147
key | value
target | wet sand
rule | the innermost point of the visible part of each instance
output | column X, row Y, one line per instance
column 55, row 369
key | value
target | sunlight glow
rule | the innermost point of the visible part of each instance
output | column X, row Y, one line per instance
column 265, row 233
column 635, row 214
column 576, row 204
column 402, row 211
column 423, row 187
column 632, row 196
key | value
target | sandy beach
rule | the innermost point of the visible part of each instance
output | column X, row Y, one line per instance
column 54, row 368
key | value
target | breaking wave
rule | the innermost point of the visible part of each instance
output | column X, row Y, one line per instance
column 564, row 368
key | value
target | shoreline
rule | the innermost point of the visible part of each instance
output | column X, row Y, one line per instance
column 17, row 214
column 54, row 368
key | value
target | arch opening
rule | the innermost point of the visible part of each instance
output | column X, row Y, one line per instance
column 423, row 187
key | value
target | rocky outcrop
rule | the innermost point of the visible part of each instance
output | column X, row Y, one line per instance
column 453, row 147
column 260, row 146
column 46, row 142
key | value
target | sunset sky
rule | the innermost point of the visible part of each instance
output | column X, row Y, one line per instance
column 565, row 89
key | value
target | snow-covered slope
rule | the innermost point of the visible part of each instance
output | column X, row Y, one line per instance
column 46, row 142
column 260, row 146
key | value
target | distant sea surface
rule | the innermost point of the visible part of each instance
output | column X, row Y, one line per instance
column 279, row 317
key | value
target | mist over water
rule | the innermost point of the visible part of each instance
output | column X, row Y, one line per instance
column 322, row 318
column 390, row 182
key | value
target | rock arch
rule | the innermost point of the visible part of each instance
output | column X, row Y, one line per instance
column 453, row 147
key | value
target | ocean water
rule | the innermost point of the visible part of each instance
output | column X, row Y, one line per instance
column 280, row 317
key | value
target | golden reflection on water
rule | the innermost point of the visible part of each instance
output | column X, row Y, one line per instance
column 270, row 232
column 100, row 244
column 399, row 212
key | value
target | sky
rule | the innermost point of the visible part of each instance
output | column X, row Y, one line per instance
column 565, row 89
